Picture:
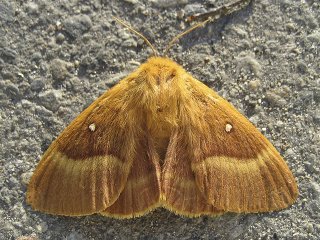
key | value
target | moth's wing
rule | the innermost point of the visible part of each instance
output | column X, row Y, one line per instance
column 179, row 190
column 142, row 190
column 236, row 168
column 87, row 166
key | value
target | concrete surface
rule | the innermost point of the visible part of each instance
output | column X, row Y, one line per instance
column 56, row 57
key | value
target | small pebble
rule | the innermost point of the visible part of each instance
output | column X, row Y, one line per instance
column 8, row 55
column 309, row 227
column 36, row 56
column 12, row 91
column 50, row 99
column 33, row 8
column 75, row 84
column 275, row 100
column 132, row 1
column 249, row 63
column 130, row 43
column 25, row 178
column 301, row 67
column 58, row 69
column 42, row 227
column 77, row 25
column 60, row 38
column 254, row 85
column 37, row 85
column 314, row 37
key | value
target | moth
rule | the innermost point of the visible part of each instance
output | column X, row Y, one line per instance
column 160, row 138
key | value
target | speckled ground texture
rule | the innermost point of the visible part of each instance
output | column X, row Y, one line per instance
column 56, row 57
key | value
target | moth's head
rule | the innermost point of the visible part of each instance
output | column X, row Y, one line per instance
column 161, row 76
column 161, row 71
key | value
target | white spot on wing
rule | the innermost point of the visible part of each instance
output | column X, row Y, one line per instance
column 92, row 127
column 228, row 127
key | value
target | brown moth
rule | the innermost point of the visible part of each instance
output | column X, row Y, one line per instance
column 161, row 138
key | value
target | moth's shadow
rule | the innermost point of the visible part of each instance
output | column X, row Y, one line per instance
column 159, row 224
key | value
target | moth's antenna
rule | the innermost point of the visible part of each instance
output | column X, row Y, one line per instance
column 210, row 17
column 155, row 52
